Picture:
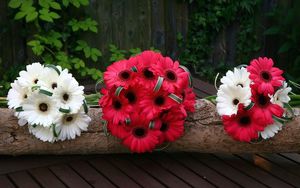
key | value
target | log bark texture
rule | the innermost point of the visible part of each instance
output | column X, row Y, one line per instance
column 203, row 133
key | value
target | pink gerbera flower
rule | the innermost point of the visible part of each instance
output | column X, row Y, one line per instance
column 144, row 62
column 263, row 108
column 154, row 103
column 243, row 126
column 175, row 78
column 119, row 130
column 119, row 74
column 265, row 75
column 172, row 126
column 117, row 110
column 140, row 138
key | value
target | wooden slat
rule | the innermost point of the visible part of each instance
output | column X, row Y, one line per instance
column 10, row 164
column 170, row 24
column 292, row 156
column 273, row 169
column 5, row 182
column 205, row 87
column 90, row 174
column 227, row 171
column 23, row 179
column 157, row 24
column 68, row 176
column 46, row 178
column 284, row 162
column 156, row 171
column 252, row 171
column 133, row 171
column 180, row 171
column 118, row 22
column 204, row 171
column 115, row 175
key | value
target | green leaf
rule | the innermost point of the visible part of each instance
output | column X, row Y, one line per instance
column 54, row 15
column 84, row 2
column 93, row 29
column 44, row 3
column 272, row 31
column 285, row 47
column 66, row 3
column 55, row 5
column 31, row 16
column 14, row 3
column 19, row 15
column 46, row 18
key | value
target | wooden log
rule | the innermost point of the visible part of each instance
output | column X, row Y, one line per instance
column 204, row 133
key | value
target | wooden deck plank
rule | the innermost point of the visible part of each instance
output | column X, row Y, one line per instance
column 156, row 171
column 5, row 182
column 205, row 87
column 90, row 174
column 180, row 171
column 227, row 171
column 10, row 164
column 115, row 175
column 23, row 179
column 203, row 171
column 285, row 163
column 292, row 156
column 46, row 178
column 133, row 171
column 252, row 171
column 273, row 169
column 68, row 176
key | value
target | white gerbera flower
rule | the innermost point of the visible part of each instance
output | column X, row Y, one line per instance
column 271, row 130
column 229, row 97
column 237, row 77
column 39, row 109
column 68, row 93
column 31, row 76
column 48, row 79
column 282, row 95
column 17, row 95
column 43, row 133
column 70, row 125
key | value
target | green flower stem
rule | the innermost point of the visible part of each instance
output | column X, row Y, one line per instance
column 92, row 99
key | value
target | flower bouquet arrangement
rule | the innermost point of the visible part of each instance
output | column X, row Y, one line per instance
column 146, row 100
column 253, row 101
column 50, row 100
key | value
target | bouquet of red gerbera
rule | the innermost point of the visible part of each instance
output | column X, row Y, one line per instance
column 146, row 100
column 251, row 100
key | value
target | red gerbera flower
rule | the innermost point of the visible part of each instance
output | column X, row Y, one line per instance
column 265, row 75
column 172, row 126
column 175, row 78
column 105, row 99
column 144, row 62
column 117, row 110
column 119, row 74
column 133, row 94
column 140, row 138
column 263, row 108
column 154, row 103
column 189, row 99
column 243, row 126
column 119, row 130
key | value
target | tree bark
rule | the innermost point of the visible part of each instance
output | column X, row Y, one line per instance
column 203, row 133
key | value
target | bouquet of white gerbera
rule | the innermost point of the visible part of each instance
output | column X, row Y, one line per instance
column 50, row 100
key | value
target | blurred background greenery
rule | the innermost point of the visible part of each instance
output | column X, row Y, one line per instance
column 208, row 36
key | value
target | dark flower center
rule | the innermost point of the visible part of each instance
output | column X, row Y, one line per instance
column 240, row 85
column 139, row 132
column 235, row 101
column 36, row 81
column 148, row 74
column 263, row 100
column 160, row 100
column 171, row 75
column 66, row 97
column 131, row 97
column 70, row 118
column 117, row 105
column 124, row 75
column 266, row 76
column 43, row 107
column 164, row 127
column 183, row 95
column 54, row 85
column 245, row 120
column 25, row 96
